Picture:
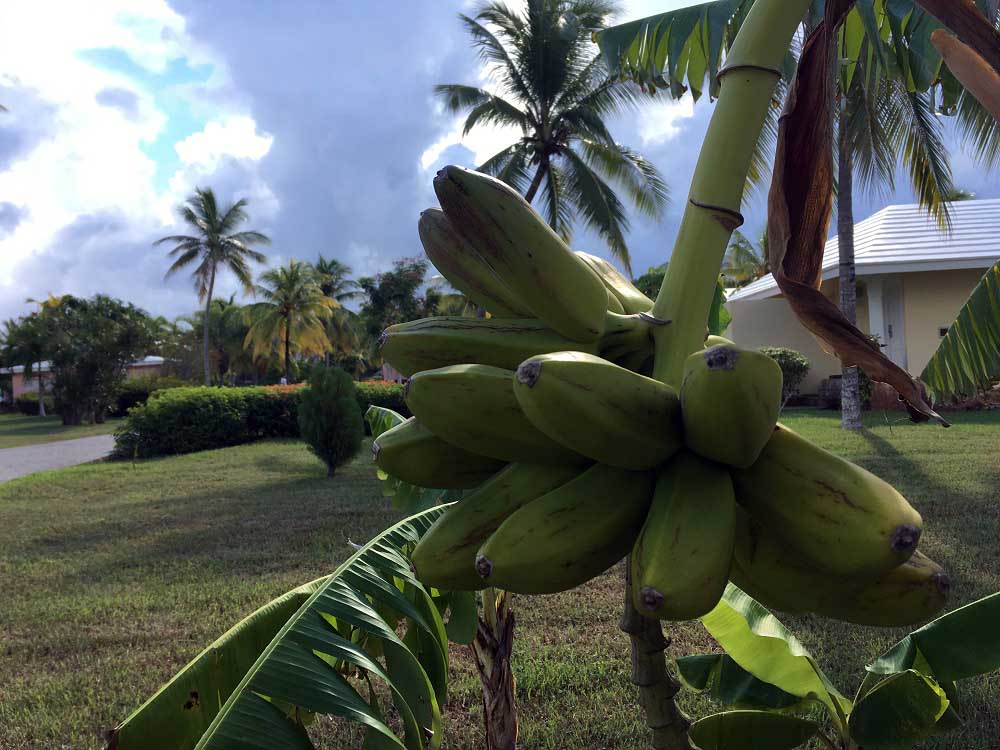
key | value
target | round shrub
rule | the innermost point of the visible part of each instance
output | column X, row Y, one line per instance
column 794, row 368
column 330, row 419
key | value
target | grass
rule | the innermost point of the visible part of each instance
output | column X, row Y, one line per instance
column 19, row 429
column 113, row 577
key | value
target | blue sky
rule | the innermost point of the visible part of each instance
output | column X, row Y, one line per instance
column 320, row 113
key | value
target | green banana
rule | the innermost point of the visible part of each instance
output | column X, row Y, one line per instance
column 465, row 268
column 730, row 400
column 524, row 251
column 631, row 299
column 711, row 341
column 765, row 569
column 446, row 555
column 614, row 304
column 569, row 535
column 411, row 452
column 599, row 409
column 833, row 514
column 438, row 342
column 474, row 407
column 681, row 560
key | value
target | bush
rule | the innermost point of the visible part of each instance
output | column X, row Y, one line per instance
column 794, row 368
column 382, row 393
column 330, row 417
column 27, row 403
column 135, row 391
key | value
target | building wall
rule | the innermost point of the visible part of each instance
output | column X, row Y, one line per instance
column 19, row 385
column 931, row 301
column 771, row 322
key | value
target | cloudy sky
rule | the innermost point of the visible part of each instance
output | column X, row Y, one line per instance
column 319, row 112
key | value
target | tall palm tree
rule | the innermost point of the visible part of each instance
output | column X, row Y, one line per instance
column 335, row 280
column 217, row 243
column 744, row 263
column 292, row 315
column 881, row 125
column 554, row 87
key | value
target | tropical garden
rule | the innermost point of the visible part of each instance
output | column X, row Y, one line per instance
column 585, row 524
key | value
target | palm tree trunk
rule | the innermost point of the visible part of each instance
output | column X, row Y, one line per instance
column 41, row 392
column 288, row 355
column 536, row 182
column 207, row 343
column 850, row 393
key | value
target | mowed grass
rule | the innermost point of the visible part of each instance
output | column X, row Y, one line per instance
column 19, row 429
column 112, row 577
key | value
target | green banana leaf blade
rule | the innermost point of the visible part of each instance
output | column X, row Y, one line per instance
column 761, row 645
column 900, row 712
column 406, row 497
column 967, row 360
column 751, row 730
column 260, row 683
column 727, row 682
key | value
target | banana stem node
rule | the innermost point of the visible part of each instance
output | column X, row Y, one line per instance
column 653, row 320
column 729, row 219
column 727, row 69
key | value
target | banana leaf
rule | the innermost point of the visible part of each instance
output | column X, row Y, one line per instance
column 260, row 684
column 751, row 730
column 762, row 646
column 718, row 316
column 900, row 712
column 967, row 360
column 405, row 497
column 727, row 682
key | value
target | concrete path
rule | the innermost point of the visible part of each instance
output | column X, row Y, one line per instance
column 19, row 462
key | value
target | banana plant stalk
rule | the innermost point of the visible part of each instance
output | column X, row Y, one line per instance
column 491, row 651
column 712, row 214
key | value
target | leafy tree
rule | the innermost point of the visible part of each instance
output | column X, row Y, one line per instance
column 293, row 316
column 744, row 263
column 90, row 343
column 330, row 418
column 649, row 283
column 394, row 296
column 25, row 343
column 554, row 87
column 218, row 243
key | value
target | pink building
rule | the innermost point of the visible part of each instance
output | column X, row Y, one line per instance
column 143, row 367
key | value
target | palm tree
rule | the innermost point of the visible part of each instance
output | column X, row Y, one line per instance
column 881, row 125
column 292, row 316
column 957, row 194
column 335, row 280
column 24, row 343
column 554, row 87
column 744, row 263
column 217, row 243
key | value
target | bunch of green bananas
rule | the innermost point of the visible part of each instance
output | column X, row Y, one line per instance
column 576, row 458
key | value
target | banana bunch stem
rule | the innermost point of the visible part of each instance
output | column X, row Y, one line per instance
column 751, row 72
column 752, row 69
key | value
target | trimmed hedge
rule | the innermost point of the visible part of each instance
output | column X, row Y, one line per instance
column 27, row 403
column 189, row 419
column 794, row 368
column 135, row 391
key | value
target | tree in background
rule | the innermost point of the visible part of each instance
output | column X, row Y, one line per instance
column 394, row 296
column 90, row 344
column 744, row 263
column 649, row 283
column 25, row 343
column 342, row 327
column 554, row 87
column 218, row 243
column 330, row 418
column 292, row 317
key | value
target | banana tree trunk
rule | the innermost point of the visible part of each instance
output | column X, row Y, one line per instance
column 491, row 652
column 850, row 392
column 207, row 343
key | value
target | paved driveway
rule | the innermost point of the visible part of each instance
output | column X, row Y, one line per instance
column 19, row 462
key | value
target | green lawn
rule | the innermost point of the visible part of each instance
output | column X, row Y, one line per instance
column 18, row 429
column 113, row 576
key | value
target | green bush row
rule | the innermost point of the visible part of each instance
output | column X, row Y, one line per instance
column 27, row 403
column 189, row 419
column 135, row 391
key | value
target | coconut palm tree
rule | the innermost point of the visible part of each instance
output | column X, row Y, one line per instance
column 335, row 280
column 217, row 243
column 553, row 86
column 292, row 316
column 744, row 263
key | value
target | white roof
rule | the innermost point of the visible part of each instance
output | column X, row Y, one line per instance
column 149, row 361
column 904, row 239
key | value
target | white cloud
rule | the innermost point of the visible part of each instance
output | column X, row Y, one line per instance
column 236, row 137
column 661, row 121
column 484, row 141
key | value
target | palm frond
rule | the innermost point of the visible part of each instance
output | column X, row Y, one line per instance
column 558, row 210
column 496, row 111
column 293, row 658
column 980, row 131
column 629, row 169
column 509, row 165
column 967, row 360
column 596, row 203
column 492, row 51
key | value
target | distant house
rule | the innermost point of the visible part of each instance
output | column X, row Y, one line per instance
column 912, row 281
column 142, row 367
